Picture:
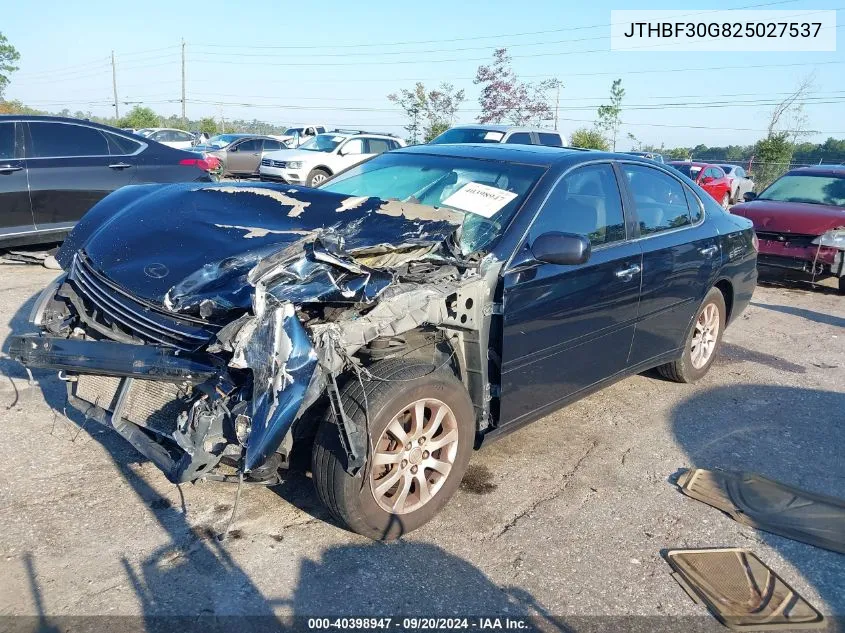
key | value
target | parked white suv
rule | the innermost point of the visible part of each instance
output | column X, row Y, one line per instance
column 514, row 134
column 323, row 156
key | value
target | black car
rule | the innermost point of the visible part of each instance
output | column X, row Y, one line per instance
column 53, row 169
column 410, row 309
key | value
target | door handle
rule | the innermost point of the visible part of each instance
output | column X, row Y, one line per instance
column 709, row 251
column 8, row 169
column 119, row 165
column 627, row 274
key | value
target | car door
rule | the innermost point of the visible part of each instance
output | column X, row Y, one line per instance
column 244, row 156
column 349, row 153
column 71, row 167
column 566, row 328
column 15, row 210
column 680, row 259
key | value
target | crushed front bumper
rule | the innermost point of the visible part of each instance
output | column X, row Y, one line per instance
column 163, row 401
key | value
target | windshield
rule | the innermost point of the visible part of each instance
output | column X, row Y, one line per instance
column 222, row 140
column 145, row 132
column 487, row 192
column 322, row 143
column 468, row 135
column 807, row 188
column 690, row 171
column 293, row 130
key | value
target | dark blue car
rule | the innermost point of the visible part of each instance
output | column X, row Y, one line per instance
column 409, row 310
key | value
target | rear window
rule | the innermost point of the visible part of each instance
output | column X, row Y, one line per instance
column 63, row 140
column 7, row 140
column 688, row 170
column 119, row 146
column 468, row 135
column 519, row 138
column 552, row 140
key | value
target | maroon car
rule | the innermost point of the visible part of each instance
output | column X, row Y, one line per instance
column 800, row 222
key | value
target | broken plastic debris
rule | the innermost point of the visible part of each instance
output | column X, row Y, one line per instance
column 740, row 590
column 770, row 505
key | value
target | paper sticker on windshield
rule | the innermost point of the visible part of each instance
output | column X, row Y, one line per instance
column 338, row 139
column 494, row 136
column 480, row 199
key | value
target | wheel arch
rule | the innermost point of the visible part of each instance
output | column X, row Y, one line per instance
column 725, row 286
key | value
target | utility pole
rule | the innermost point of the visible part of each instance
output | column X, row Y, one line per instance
column 184, row 119
column 557, row 103
column 114, row 86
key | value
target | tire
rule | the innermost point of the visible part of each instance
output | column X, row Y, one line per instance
column 316, row 177
column 688, row 368
column 842, row 285
column 352, row 500
column 726, row 201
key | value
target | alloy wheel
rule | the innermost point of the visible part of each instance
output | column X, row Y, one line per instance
column 705, row 336
column 316, row 179
column 414, row 456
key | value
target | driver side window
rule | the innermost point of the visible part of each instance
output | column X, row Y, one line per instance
column 355, row 146
column 585, row 202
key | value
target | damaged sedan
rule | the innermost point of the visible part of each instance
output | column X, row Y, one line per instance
column 409, row 310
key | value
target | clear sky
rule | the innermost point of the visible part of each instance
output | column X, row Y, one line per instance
column 335, row 62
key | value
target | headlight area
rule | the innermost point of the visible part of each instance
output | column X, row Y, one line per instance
column 834, row 238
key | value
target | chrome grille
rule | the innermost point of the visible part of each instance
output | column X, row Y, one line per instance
column 269, row 162
column 266, row 162
column 111, row 306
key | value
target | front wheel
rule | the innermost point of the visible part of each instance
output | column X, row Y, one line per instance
column 421, row 435
column 702, row 342
column 317, row 177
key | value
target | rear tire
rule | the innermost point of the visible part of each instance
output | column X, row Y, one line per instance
column 702, row 343
column 726, row 201
column 842, row 285
column 360, row 501
column 316, row 177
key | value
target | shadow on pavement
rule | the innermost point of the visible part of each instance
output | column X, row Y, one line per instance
column 810, row 315
column 193, row 583
column 789, row 434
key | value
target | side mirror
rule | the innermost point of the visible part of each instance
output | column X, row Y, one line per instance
column 561, row 248
column 748, row 196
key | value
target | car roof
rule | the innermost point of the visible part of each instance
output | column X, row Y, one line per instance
column 820, row 170
column 532, row 154
column 694, row 163
column 64, row 119
column 495, row 127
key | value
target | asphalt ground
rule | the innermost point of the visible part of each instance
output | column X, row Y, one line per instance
column 564, row 521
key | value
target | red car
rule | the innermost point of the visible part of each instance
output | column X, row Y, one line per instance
column 800, row 222
column 709, row 177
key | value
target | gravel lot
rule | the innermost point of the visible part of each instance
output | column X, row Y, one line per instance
column 566, row 517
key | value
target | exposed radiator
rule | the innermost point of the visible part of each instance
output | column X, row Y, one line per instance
column 149, row 403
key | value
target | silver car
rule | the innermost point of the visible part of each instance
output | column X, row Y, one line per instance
column 239, row 154
column 740, row 182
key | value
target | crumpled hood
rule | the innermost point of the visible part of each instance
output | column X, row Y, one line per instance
column 174, row 245
column 791, row 217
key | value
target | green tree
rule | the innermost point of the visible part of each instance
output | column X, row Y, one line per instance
column 413, row 103
column 140, row 117
column 208, row 125
column 588, row 139
column 8, row 57
column 772, row 157
column 429, row 113
column 678, row 153
column 610, row 116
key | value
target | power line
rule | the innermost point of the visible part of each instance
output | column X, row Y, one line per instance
column 453, row 50
column 476, row 38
